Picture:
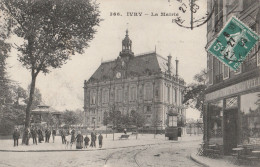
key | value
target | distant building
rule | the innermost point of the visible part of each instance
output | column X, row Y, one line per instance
column 146, row 83
column 232, row 110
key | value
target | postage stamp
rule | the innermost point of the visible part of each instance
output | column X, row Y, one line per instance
column 233, row 43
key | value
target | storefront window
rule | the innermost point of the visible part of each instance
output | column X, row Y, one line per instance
column 250, row 112
column 215, row 116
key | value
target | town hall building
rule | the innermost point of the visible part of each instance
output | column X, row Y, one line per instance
column 146, row 83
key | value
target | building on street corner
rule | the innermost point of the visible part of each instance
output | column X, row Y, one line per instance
column 232, row 103
column 146, row 83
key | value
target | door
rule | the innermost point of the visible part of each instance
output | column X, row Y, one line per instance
column 230, row 130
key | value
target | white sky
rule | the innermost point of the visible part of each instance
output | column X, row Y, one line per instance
column 63, row 88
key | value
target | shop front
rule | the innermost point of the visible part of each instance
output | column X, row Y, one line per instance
column 232, row 115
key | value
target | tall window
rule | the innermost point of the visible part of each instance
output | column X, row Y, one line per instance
column 210, row 69
column 132, row 94
column 119, row 95
column 173, row 95
column 105, row 96
column 148, row 95
column 215, row 117
column 168, row 93
column 176, row 95
column 250, row 113
column 93, row 97
column 225, row 71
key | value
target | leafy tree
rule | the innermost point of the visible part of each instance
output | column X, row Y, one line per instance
column 69, row 118
column 195, row 92
column 137, row 119
column 52, row 31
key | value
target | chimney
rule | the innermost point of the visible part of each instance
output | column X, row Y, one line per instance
column 177, row 62
column 169, row 63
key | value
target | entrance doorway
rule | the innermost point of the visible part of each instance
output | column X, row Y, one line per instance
column 230, row 129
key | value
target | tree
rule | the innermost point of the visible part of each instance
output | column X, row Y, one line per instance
column 52, row 31
column 195, row 92
column 114, row 117
column 137, row 119
column 37, row 97
column 70, row 118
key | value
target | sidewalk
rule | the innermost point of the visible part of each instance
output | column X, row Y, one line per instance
column 108, row 143
column 226, row 161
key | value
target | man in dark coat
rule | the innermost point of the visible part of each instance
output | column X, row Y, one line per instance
column 34, row 135
column 95, row 139
column 53, row 134
column 92, row 139
column 16, row 136
column 86, row 139
column 40, row 135
column 62, row 134
column 100, row 139
column 47, row 135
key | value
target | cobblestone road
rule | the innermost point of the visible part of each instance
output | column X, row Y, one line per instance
column 159, row 155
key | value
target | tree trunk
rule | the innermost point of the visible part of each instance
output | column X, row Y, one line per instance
column 29, row 105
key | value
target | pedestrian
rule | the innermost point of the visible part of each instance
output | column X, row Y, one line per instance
column 72, row 137
column 53, row 135
column 34, row 135
column 86, row 139
column 92, row 139
column 49, row 134
column 40, row 135
column 100, row 139
column 16, row 136
column 95, row 139
column 79, row 141
column 46, row 135
column 62, row 136
column 124, row 131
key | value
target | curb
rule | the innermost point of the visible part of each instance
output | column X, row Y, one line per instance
column 85, row 150
column 64, row 150
column 197, row 161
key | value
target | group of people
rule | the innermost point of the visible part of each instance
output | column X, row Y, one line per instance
column 68, row 137
column 34, row 133
column 72, row 138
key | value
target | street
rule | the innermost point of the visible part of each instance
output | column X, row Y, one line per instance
column 168, row 154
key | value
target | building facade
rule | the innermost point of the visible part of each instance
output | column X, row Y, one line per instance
column 232, row 103
column 146, row 83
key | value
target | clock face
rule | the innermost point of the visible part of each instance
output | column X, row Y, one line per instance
column 118, row 75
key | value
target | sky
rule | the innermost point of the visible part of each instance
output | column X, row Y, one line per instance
column 63, row 88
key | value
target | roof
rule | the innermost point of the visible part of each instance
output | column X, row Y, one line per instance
column 138, row 66
column 44, row 109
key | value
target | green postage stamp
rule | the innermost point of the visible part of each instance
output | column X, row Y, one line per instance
column 233, row 43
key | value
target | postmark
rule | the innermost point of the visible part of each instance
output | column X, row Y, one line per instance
column 233, row 43
column 192, row 13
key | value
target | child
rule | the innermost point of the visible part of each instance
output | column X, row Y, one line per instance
column 68, row 142
column 86, row 140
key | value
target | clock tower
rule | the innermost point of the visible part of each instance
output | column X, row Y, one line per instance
column 126, row 52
